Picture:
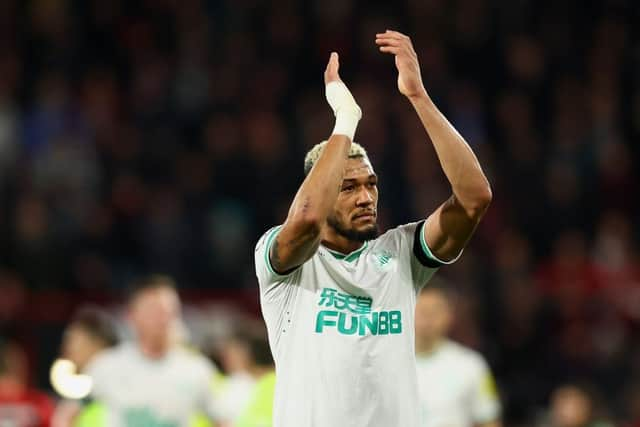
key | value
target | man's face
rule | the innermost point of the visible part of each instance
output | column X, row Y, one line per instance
column 355, row 213
column 433, row 315
column 154, row 315
column 570, row 407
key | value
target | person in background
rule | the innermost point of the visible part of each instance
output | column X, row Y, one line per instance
column 153, row 380
column 456, row 387
column 90, row 331
column 574, row 406
column 233, row 389
column 20, row 405
column 259, row 409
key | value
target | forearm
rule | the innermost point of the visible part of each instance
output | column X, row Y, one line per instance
column 318, row 193
column 459, row 163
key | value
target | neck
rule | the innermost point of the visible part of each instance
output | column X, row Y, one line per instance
column 153, row 350
column 338, row 242
column 426, row 346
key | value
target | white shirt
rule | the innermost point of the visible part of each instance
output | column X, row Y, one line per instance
column 232, row 395
column 456, row 388
column 138, row 391
column 341, row 329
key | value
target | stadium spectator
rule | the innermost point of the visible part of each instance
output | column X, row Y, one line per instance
column 20, row 405
column 574, row 406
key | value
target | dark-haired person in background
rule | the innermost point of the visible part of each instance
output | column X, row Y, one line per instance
column 152, row 381
column 259, row 410
column 90, row 332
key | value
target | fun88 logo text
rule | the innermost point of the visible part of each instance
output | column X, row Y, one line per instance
column 352, row 315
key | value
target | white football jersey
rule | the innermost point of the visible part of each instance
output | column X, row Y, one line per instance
column 456, row 388
column 138, row 391
column 341, row 329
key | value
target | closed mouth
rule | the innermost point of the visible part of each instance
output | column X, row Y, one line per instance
column 366, row 215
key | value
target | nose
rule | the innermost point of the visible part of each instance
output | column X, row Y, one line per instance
column 364, row 197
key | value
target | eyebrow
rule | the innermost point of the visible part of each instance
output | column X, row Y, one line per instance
column 350, row 180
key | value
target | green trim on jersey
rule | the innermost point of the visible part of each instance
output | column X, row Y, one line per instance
column 267, row 249
column 427, row 251
column 349, row 257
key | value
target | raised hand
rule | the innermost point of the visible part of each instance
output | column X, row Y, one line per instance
column 409, row 78
column 331, row 73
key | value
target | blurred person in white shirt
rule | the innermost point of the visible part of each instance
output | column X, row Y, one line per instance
column 153, row 381
column 456, row 387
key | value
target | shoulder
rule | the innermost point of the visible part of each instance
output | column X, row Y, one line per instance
column 266, row 237
column 103, row 364
column 194, row 360
column 471, row 359
column 400, row 235
column 112, row 355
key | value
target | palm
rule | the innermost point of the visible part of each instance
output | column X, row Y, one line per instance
column 399, row 45
column 409, row 81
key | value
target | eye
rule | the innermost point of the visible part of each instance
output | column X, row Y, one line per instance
column 348, row 188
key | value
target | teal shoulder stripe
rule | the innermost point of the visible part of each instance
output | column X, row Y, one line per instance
column 267, row 249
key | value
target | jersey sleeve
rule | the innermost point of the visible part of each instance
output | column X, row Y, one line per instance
column 485, row 403
column 268, row 278
column 413, row 245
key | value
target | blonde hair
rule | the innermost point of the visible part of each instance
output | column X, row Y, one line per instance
column 313, row 155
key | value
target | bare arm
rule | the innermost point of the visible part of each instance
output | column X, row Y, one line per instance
column 299, row 237
column 448, row 229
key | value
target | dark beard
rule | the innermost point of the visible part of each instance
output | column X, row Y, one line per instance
column 351, row 234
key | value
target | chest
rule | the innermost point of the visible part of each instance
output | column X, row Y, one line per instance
column 166, row 386
column 444, row 386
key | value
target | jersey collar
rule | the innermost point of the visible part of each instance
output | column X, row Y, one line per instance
column 350, row 256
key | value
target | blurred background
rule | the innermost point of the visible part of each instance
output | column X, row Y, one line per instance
column 141, row 136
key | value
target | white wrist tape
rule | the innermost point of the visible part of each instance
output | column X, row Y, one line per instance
column 344, row 107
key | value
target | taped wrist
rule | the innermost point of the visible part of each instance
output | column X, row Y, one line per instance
column 344, row 107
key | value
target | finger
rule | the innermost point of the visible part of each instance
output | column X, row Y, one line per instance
column 397, row 34
column 389, row 42
column 331, row 72
column 391, row 49
column 334, row 62
column 388, row 37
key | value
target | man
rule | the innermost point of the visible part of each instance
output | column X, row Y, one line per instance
column 153, row 381
column 258, row 411
column 337, row 300
column 90, row 332
column 20, row 404
column 455, row 384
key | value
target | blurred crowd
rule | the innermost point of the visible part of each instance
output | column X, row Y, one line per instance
column 166, row 136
